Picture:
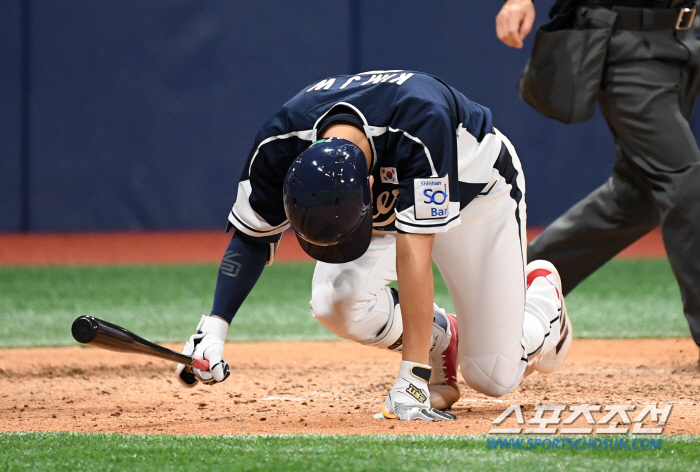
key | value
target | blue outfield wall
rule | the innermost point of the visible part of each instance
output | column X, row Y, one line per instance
column 11, row 136
column 139, row 114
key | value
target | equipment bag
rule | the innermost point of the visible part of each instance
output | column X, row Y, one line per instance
column 562, row 77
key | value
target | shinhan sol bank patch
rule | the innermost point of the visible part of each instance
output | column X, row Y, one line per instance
column 432, row 198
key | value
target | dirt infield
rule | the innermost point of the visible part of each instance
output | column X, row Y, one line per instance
column 319, row 387
column 296, row 387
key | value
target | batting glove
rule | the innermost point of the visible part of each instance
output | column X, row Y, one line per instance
column 409, row 399
column 207, row 343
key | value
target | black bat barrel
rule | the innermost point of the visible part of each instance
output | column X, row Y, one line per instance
column 84, row 329
column 100, row 333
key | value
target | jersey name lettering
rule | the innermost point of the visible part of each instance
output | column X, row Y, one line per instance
column 323, row 85
column 376, row 77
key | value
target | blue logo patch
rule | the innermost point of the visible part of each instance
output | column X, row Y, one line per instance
column 432, row 198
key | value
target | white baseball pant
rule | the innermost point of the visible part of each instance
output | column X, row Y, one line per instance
column 483, row 264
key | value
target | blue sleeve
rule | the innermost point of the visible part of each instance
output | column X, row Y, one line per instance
column 240, row 268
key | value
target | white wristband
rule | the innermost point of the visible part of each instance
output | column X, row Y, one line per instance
column 213, row 325
column 406, row 371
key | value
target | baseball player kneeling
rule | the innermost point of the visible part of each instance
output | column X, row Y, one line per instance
column 378, row 174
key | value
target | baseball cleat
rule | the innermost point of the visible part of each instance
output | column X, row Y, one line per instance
column 444, row 389
column 555, row 357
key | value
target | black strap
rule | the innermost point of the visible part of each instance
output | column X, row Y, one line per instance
column 643, row 19
column 644, row 15
column 662, row 4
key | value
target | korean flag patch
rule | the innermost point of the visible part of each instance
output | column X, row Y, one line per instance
column 388, row 175
column 432, row 198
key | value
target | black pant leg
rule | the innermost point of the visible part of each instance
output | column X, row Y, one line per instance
column 648, row 94
column 648, row 104
column 594, row 230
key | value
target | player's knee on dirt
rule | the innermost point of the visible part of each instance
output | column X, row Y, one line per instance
column 494, row 376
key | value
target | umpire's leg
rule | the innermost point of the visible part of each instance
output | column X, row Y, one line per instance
column 647, row 98
column 648, row 106
column 597, row 228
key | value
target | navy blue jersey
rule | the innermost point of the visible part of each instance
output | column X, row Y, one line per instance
column 433, row 151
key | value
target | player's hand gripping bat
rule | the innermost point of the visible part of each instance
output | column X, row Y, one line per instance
column 106, row 335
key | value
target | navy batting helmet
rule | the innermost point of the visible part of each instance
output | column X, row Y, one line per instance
column 327, row 200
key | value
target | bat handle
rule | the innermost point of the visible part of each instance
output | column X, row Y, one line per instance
column 199, row 363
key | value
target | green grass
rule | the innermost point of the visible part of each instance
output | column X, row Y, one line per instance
column 626, row 298
column 98, row 452
column 163, row 303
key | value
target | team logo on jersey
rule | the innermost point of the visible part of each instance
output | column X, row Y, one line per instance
column 432, row 198
column 388, row 175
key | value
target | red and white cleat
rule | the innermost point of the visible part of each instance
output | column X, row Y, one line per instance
column 444, row 389
column 555, row 357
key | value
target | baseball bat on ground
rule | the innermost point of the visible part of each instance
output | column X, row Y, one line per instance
column 106, row 335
